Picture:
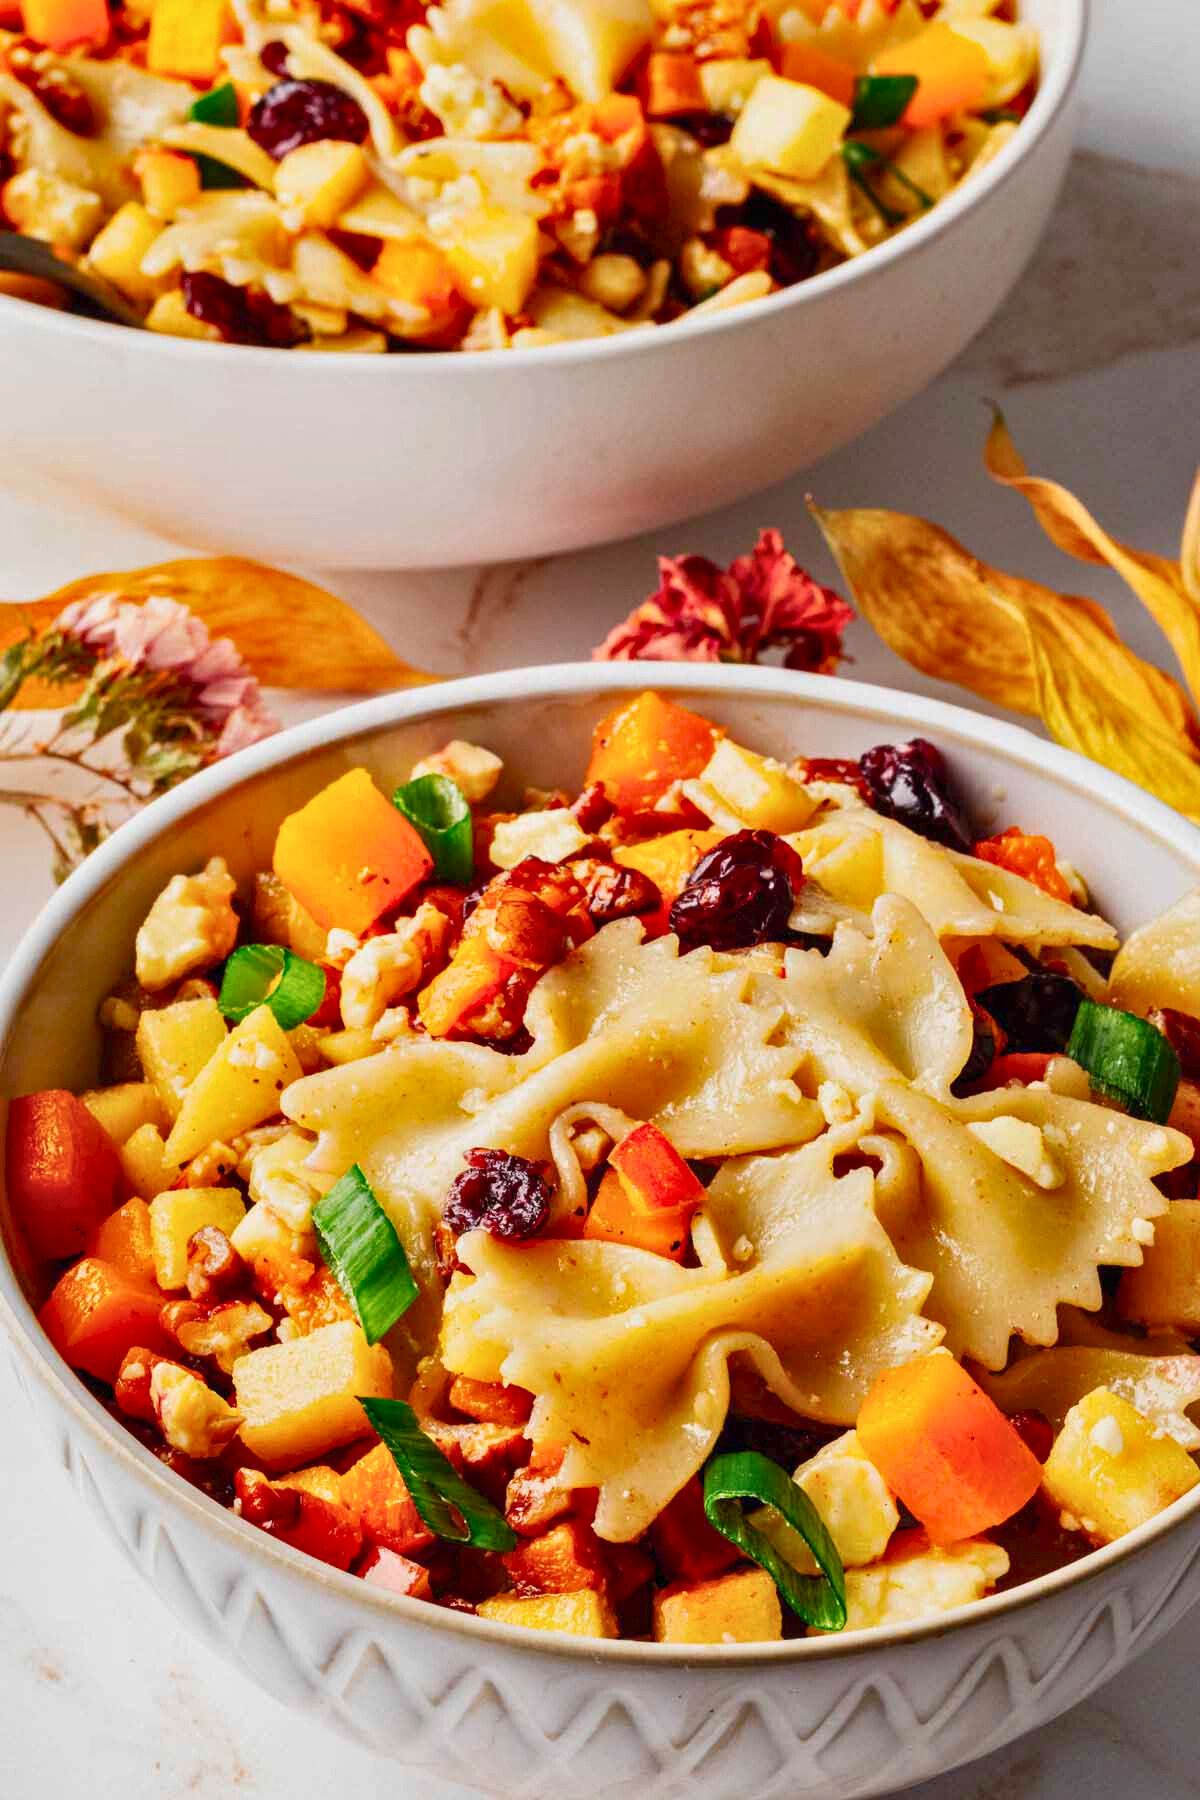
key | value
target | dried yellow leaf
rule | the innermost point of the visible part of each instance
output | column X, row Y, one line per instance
column 290, row 633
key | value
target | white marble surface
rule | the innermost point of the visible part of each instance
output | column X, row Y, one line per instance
column 1095, row 361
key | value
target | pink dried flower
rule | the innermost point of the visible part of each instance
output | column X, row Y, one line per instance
column 702, row 613
column 163, row 634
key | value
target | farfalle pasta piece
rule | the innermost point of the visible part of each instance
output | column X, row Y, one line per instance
column 1051, row 1382
column 1006, row 1248
column 628, row 1353
column 856, row 855
column 1159, row 963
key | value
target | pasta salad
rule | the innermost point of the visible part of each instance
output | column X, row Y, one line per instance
column 730, row 1202
column 373, row 175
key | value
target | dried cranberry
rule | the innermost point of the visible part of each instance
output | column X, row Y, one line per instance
column 910, row 783
column 983, row 1054
column 1035, row 1431
column 274, row 58
column 293, row 113
column 241, row 315
column 56, row 88
column 740, row 893
column 1035, row 1013
column 504, row 1194
column 795, row 247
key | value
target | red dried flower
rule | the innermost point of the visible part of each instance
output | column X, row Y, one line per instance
column 763, row 601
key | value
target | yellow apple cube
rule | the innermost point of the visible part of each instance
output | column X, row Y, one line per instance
column 585, row 1614
column 174, row 1043
column 187, row 36
column 144, row 1162
column 238, row 1087
column 299, row 1400
column 116, row 252
column 124, row 1109
column 494, row 255
column 1111, row 1468
column 853, row 1500
column 319, row 181
column 755, row 790
column 789, row 128
column 741, row 1608
column 176, row 1215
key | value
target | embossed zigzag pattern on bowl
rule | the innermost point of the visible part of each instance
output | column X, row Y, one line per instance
column 525, row 1728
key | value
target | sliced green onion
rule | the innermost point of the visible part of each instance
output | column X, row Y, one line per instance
column 268, row 975
column 859, row 158
column 218, row 107
column 1000, row 115
column 880, row 101
column 361, row 1248
column 1127, row 1059
column 437, row 808
column 819, row 1600
column 216, row 175
column 448, row 1505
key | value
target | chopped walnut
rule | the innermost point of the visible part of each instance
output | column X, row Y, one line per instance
column 190, row 1415
column 225, row 1333
column 311, row 1304
column 386, row 968
column 710, row 28
column 191, row 925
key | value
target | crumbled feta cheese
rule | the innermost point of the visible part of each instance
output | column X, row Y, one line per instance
column 475, row 770
column 386, row 968
column 550, row 835
column 192, row 1417
column 340, row 947
column 191, row 925
column 916, row 1587
column 43, row 205
column 1022, row 1145
column 279, row 1178
column 252, row 1053
column 1106, row 1435
column 467, row 105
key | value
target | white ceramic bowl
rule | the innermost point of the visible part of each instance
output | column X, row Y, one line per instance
column 516, row 1712
column 427, row 461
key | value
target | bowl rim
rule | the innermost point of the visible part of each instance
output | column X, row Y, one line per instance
column 1058, row 80
column 556, row 681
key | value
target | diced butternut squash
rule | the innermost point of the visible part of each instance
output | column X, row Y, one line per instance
column 144, row 1162
column 375, row 1491
column 168, row 180
column 420, row 276
column 66, row 24
column 62, row 1172
column 349, row 856
column 808, row 63
column 854, row 1503
column 1011, row 52
column 945, row 1449
column 672, row 85
column 952, row 73
column 318, row 181
column 187, row 37
column 1166, row 1289
column 175, row 1042
column 97, row 1314
column 754, row 790
column 125, row 1240
column 175, row 1216
column 396, row 1574
column 687, row 1548
column 238, row 1087
column 563, row 1560
column 667, row 861
column 647, row 1197
column 493, row 252
column 644, row 746
column 916, row 1581
column 117, row 250
column 1111, row 1469
column 303, row 1510
column 584, row 1614
column 491, row 1402
column 789, row 128
column 300, row 1399
column 739, row 1608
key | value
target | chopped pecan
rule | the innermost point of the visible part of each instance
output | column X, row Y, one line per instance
column 55, row 86
column 613, row 892
column 131, row 1390
column 214, row 1268
column 593, row 808
column 225, row 1333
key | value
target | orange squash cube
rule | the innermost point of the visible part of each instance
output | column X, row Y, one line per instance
column 97, row 1313
column 349, row 856
column 645, row 745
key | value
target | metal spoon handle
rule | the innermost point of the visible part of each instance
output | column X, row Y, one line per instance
column 29, row 256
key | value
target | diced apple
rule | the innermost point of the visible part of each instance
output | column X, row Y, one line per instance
column 300, row 1399
column 1111, row 1469
column 169, row 181
column 144, row 1164
column 117, row 250
column 729, row 81
column 279, row 918
column 562, row 1561
column 853, row 1500
column 739, row 1608
column 123, row 1109
column 1011, row 51
column 526, row 44
column 175, row 1042
column 238, row 1087
column 493, row 252
column 1166, row 1289
column 176, row 1215
column 320, row 180
column 916, row 1581
column 789, row 128
column 585, row 1614
column 758, row 792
